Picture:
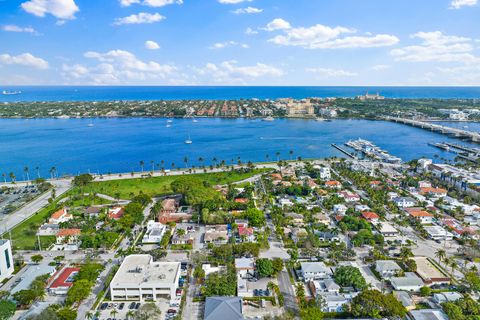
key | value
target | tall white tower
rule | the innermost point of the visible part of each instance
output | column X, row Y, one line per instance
column 6, row 259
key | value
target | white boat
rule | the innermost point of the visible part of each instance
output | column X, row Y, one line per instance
column 188, row 141
column 168, row 125
column 169, row 121
column 90, row 125
column 6, row 92
column 320, row 119
column 269, row 118
column 195, row 120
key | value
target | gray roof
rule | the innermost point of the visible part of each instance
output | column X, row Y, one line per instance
column 315, row 267
column 221, row 308
column 428, row 314
column 30, row 274
column 387, row 265
column 410, row 279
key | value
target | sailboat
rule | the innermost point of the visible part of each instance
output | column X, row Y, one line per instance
column 194, row 120
column 90, row 124
column 188, row 141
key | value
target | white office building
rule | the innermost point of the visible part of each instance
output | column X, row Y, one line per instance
column 140, row 278
column 6, row 260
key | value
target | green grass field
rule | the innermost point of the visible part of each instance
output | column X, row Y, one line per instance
column 161, row 185
column 24, row 235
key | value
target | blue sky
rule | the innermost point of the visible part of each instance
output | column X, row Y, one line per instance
column 235, row 42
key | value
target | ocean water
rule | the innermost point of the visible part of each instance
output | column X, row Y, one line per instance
column 118, row 145
column 108, row 93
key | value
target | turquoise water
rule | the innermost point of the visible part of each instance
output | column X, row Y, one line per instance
column 106, row 93
column 118, row 145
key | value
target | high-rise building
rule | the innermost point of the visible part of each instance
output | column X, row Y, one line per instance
column 6, row 259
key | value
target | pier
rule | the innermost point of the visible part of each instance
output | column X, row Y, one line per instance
column 457, row 133
column 344, row 151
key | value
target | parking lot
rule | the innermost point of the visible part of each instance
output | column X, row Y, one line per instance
column 122, row 310
column 12, row 198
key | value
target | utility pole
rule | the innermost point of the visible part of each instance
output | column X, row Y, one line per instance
column 39, row 243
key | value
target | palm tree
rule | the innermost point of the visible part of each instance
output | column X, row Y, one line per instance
column 200, row 159
column 185, row 159
column 52, row 172
column 37, row 168
column 153, row 165
column 142, row 163
column 173, row 165
column 89, row 315
column 27, row 172
column 4, row 176
column 278, row 155
column 113, row 313
column 440, row 254
column 291, row 154
column 130, row 314
column 453, row 266
column 12, row 177
column 214, row 161
column 267, row 157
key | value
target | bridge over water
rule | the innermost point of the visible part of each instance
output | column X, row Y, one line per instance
column 454, row 132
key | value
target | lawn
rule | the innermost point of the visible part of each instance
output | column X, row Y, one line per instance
column 155, row 186
column 24, row 235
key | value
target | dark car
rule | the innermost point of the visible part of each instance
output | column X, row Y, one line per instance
column 172, row 311
column 120, row 307
column 131, row 306
column 103, row 306
column 137, row 305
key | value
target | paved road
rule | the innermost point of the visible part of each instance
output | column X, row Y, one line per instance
column 15, row 218
column 286, row 289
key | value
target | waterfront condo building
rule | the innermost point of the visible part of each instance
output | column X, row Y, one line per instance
column 6, row 259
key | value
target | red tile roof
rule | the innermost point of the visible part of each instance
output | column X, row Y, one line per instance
column 59, row 214
column 241, row 200
column 418, row 214
column 245, row 231
column 68, row 232
column 370, row 215
column 63, row 278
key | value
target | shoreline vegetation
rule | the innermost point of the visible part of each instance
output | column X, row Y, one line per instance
column 362, row 107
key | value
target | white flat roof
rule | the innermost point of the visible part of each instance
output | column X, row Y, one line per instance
column 139, row 269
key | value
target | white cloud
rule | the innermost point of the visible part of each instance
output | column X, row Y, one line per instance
column 150, row 3
column 24, row 59
column 61, row 9
column 250, row 31
column 277, row 24
column 380, row 67
column 233, row 1
column 151, row 45
column 457, row 4
column 222, row 45
column 115, row 67
column 142, row 17
column 247, row 10
column 438, row 47
column 325, row 37
column 231, row 72
column 331, row 73
column 14, row 28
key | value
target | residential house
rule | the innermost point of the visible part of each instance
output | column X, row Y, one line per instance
column 422, row 216
column 333, row 184
column 428, row 314
column 155, row 232
column 172, row 212
column 404, row 202
column 409, row 282
column 221, row 308
column 295, row 218
column 370, row 216
column 315, row 271
column 349, row 196
column 245, row 267
column 246, row 234
column 299, row 234
column 68, row 236
column 116, row 213
column 60, row 216
column 216, row 234
column 387, row 268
